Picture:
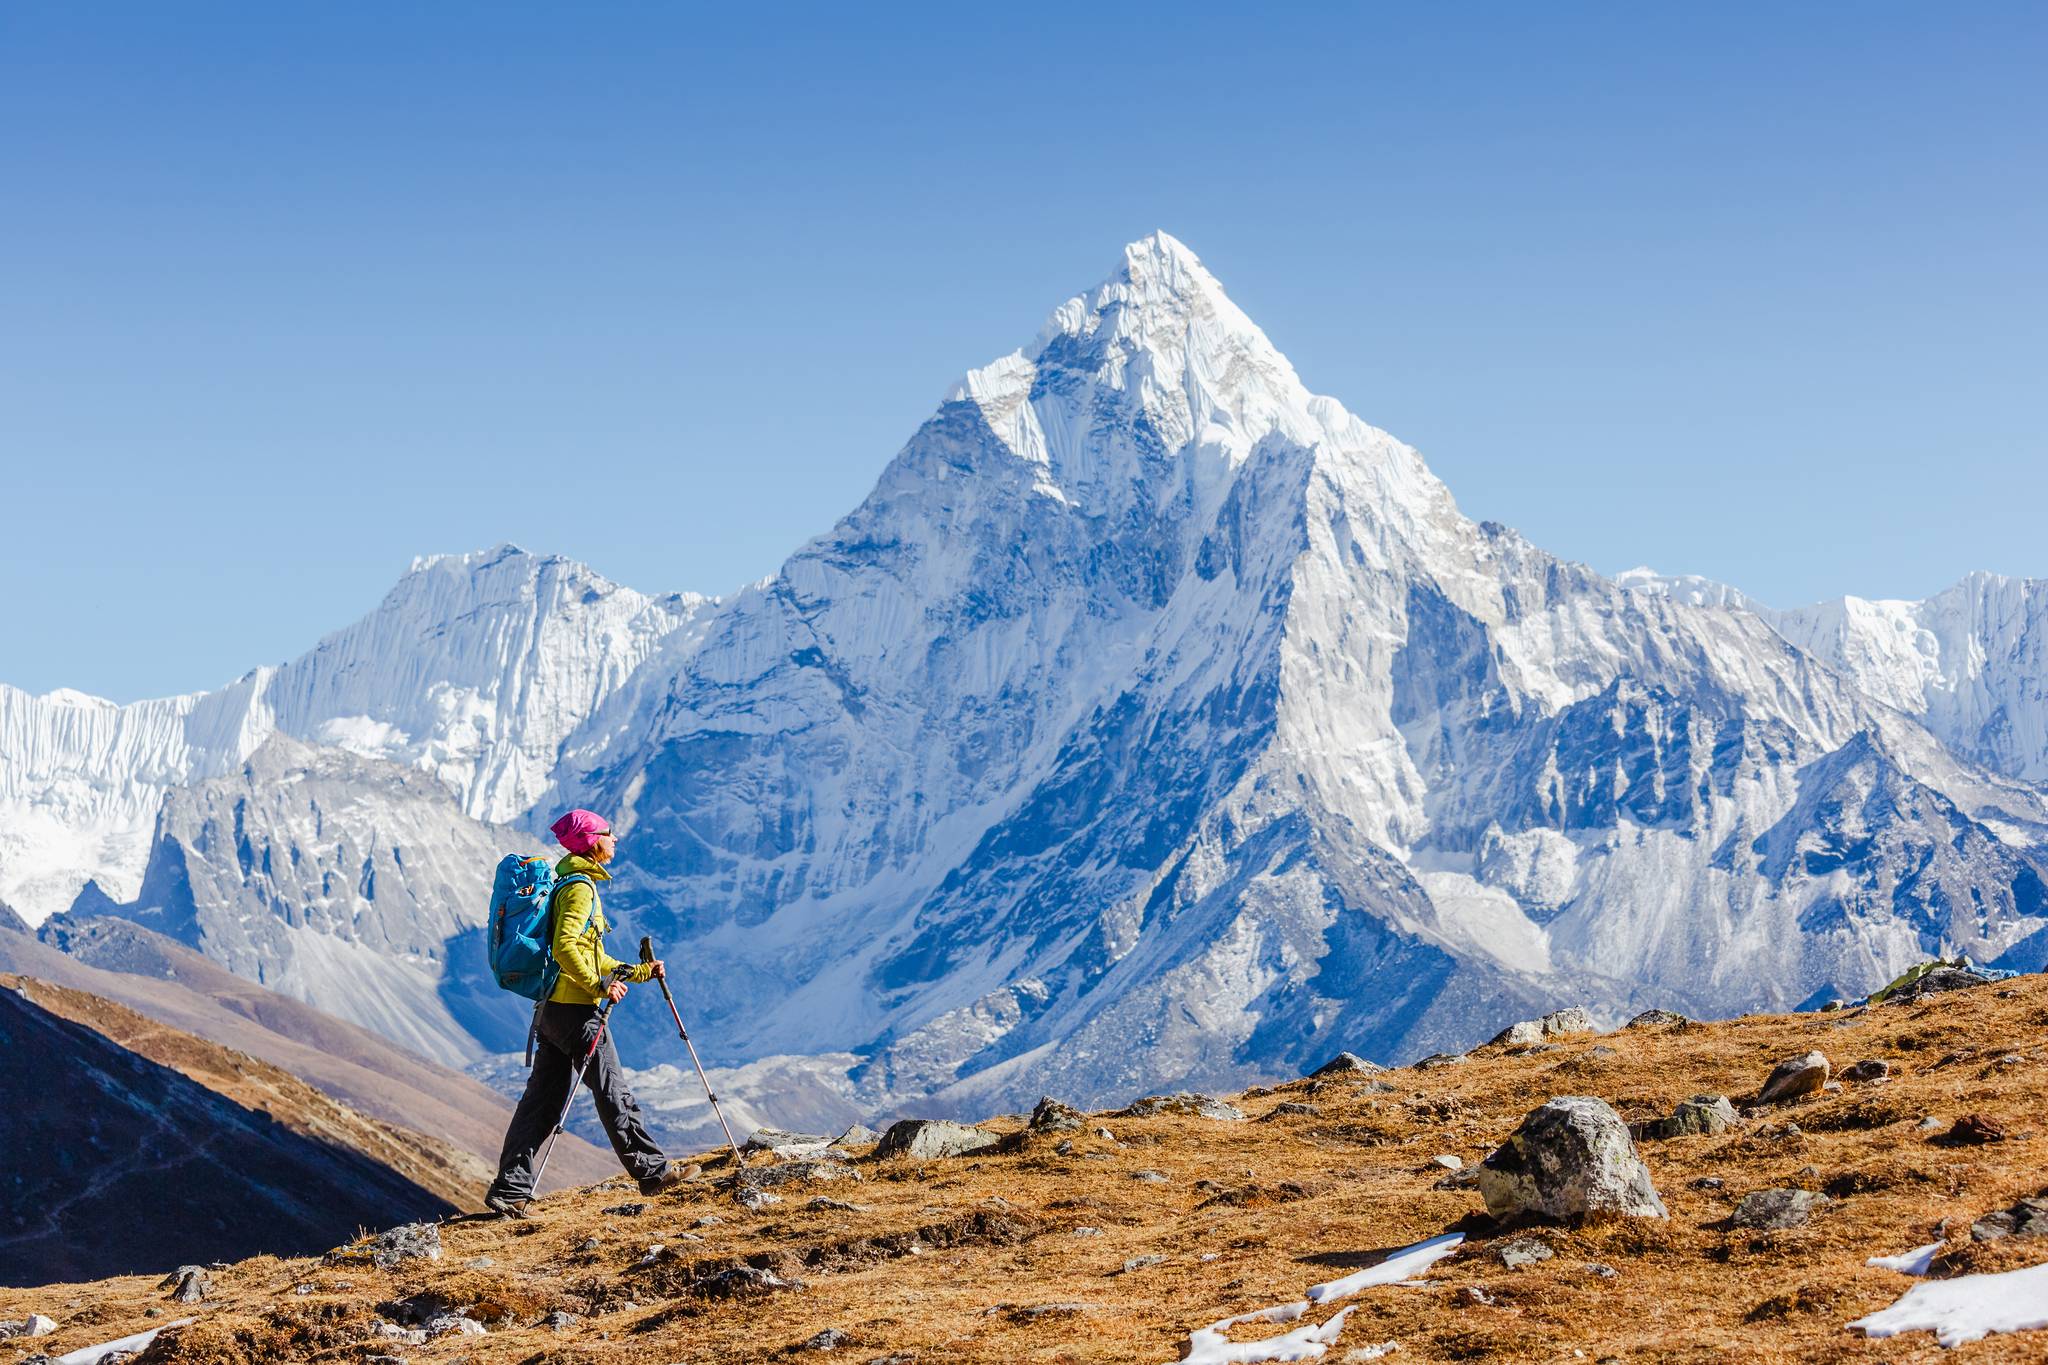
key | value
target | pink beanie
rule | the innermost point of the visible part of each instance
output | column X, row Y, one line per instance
column 578, row 830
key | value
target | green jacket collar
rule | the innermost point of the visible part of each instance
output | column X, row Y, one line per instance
column 576, row 862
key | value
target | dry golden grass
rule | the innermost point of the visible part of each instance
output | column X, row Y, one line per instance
column 949, row 1258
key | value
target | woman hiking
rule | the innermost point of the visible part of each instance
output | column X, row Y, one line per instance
column 566, row 1022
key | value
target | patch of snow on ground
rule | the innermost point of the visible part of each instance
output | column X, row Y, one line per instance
column 1209, row 1346
column 1914, row 1262
column 93, row 1355
column 1967, row 1308
column 1402, row 1265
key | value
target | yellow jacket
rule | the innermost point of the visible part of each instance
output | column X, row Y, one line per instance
column 579, row 937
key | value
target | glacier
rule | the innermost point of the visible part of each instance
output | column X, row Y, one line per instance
column 1154, row 722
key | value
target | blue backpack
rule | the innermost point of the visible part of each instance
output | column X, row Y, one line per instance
column 521, row 933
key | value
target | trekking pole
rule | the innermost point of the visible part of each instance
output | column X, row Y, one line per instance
column 647, row 955
column 576, row 1083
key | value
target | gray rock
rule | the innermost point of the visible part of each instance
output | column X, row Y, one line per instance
column 743, row 1282
column 831, row 1339
column 754, row 1200
column 1294, row 1109
column 188, row 1284
column 1345, row 1062
column 409, row 1242
column 1865, row 1072
column 1149, row 1177
column 792, row 1172
column 1087, row 1232
column 625, row 1210
column 1197, row 1106
column 924, row 1139
column 1557, row 1022
column 1440, row 1059
column 1143, row 1262
column 1795, row 1076
column 452, row 1324
column 1520, row 1252
column 391, row 1331
column 1448, row 1162
column 34, row 1325
column 785, row 1144
column 559, row 1321
column 1700, row 1115
column 1054, row 1116
column 1657, row 1019
column 1934, row 983
column 589, row 1244
column 1767, row 1210
column 1466, row 1179
column 2028, row 1218
column 1570, row 1159
column 1602, row 1270
column 824, row 1205
column 859, row 1135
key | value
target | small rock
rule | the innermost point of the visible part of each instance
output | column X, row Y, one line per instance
column 1700, row 1115
column 1602, row 1270
column 410, row 1242
column 831, row 1339
column 1448, row 1162
column 859, row 1135
column 1087, row 1232
column 1343, row 1062
column 925, row 1139
column 754, row 1200
column 1795, row 1076
column 559, row 1321
column 1865, row 1072
column 1186, row 1102
column 452, row 1324
column 785, row 1144
column 653, row 1254
column 588, row 1244
column 1473, row 1295
column 1436, row 1060
column 1558, row 1022
column 302, row 1289
column 391, row 1331
column 823, row 1205
column 1056, row 1116
column 478, row 1263
column 743, row 1282
column 802, row 1169
column 1141, row 1262
column 188, row 1284
column 1465, row 1179
column 1657, row 1019
column 2027, row 1218
column 1105, row 1135
column 1709, row 1182
column 35, row 1325
column 1767, row 1210
column 1294, row 1109
column 1928, row 1124
column 625, row 1210
column 1974, row 1130
column 709, row 1220
column 1149, row 1177
column 1522, row 1251
column 1570, row 1158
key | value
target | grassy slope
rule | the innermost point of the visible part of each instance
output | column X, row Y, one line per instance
column 948, row 1253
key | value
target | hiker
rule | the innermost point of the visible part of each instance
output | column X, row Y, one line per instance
column 567, row 1020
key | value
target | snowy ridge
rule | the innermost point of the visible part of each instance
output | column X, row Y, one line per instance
column 1153, row 722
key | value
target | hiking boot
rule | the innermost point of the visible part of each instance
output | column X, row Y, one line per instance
column 508, row 1206
column 671, row 1176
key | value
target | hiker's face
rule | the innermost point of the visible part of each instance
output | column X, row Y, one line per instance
column 602, row 847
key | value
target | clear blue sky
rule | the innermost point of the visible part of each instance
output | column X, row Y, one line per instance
column 291, row 293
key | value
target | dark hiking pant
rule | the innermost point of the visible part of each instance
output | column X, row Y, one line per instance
column 564, row 1036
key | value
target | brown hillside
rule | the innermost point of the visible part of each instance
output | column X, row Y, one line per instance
column 173, row 985
column 983, row 1258
column 427, row 1162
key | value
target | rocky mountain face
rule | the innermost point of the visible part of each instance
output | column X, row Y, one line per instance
column 1153, row 722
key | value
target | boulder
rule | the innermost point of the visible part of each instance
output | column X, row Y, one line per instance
column 1571, row 1020
column 1795, row 1076
column 1771, row 1210
column 859, row 1135
column 1657, row 1019
column 1933, row 982
column 1974, row 1130
column 1570, row 1159
column 924, row 1139
column 1346, row 1062
column 1440, row 1059
column 1053, row 1116
column 188, row 1284
column 1197, row 1106
column 35, row 1325
column 783, row 1144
